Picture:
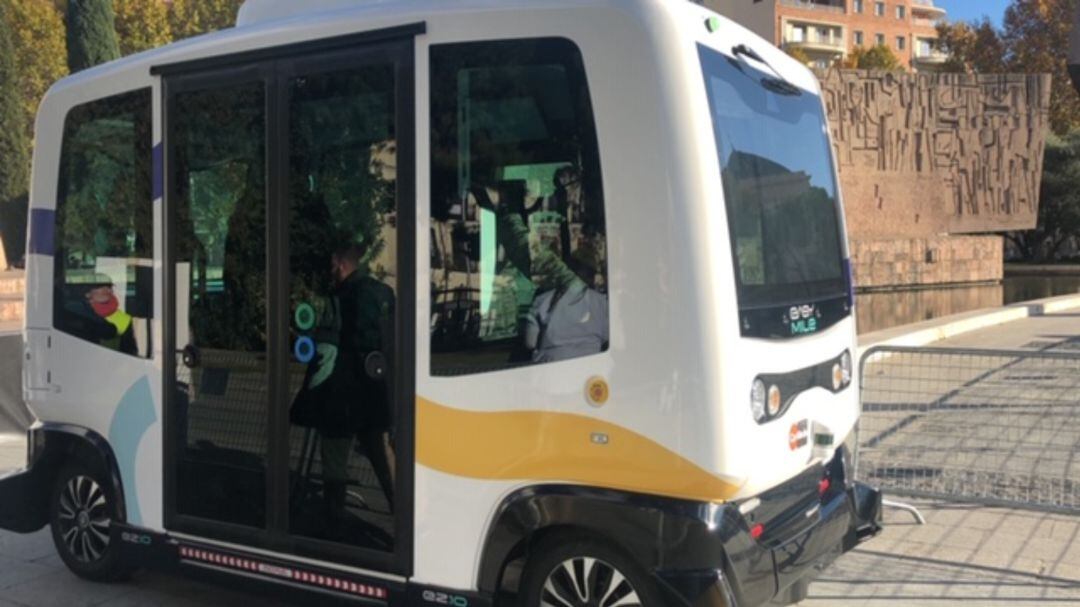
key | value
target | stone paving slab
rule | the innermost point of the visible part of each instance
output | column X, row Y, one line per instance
column 965, row 553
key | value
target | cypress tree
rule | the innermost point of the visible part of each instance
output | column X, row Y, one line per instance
column 91, row 33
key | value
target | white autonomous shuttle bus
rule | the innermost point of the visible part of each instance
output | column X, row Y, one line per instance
column 537, row 302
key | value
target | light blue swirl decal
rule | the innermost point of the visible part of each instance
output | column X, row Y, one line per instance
column 133, row 417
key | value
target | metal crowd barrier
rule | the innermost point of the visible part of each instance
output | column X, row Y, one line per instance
column 995, row 427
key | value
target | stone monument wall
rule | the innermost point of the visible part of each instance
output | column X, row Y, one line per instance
column 925, row 156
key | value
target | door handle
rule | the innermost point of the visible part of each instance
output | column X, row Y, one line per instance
column 190, row 356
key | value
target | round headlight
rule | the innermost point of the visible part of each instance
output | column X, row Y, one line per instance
column 774, row 401
column 757, row 400
column 845, row 367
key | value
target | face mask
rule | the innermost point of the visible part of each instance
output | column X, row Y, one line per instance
column 106, row 308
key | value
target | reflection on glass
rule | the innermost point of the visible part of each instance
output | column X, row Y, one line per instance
column 104, row 225
column 342, row 237
column 778, row 184
column 519, row 259
column 220, row 240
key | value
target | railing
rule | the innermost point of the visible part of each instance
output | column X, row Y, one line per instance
column 814, row 6
column 996, row 427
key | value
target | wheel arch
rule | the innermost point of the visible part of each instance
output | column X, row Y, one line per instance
column 529, row 515
column 54, row 445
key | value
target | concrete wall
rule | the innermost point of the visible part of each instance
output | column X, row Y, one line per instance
column 929, row 154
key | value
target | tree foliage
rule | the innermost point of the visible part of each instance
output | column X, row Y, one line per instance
column 1059, row 205
column 1032, row 40
column 798, row 54
column 91, row 33
column 141, row 25
column 878, row 57
column 14, row 144
column 193, row 17
column 40, row 51
column 972, row 47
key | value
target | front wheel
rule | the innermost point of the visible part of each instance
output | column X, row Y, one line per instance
column 585, row 573
column 81, row 513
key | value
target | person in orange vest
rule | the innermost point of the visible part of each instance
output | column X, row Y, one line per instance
column 107, row 306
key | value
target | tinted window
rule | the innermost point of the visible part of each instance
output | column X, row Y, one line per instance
column 104, row 225
column 519, row 260
column 779, row 188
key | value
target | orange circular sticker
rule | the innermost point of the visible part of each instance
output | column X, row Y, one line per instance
column 597, row 391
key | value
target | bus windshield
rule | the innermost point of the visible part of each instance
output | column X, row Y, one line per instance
column 780, row 192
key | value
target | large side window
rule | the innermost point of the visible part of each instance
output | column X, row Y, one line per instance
column 519, row 254
column 104, row 225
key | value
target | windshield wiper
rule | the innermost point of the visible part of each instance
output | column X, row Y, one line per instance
column 777, row 84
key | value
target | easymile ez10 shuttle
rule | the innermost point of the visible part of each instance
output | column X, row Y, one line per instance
column 536, row 302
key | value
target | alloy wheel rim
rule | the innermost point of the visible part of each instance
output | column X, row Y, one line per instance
column 587, row 582
column 84, row 519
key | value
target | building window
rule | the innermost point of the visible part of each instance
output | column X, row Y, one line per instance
column 859, row 38
column 901, row 11
column 901, row 43
column 857, row 6
column 519, row 253
column 104, row 225
column 797, row 34
column 879, row 39
column 879, row 9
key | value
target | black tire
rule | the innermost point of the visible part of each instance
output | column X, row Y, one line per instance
column 82, row 508
column 563, row 560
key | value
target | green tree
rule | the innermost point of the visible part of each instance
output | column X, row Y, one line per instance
column 14, row 144
column 37, row 30
column 972, row 47
column 1036, row 35
column 193, row 17
column 1059, row 201
column 91, row 33
column 141, row 25
column 878, row 57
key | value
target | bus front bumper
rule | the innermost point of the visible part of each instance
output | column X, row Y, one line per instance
column 749, row 571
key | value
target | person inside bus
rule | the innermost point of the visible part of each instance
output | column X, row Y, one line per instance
column 358, row 407
column 568, row 317
column 97, row 317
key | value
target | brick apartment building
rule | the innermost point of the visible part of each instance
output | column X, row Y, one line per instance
column 827, row 30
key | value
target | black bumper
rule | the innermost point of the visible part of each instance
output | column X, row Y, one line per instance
column 24, row 499
column 720, row 563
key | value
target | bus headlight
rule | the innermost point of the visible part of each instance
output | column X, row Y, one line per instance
column 845, row 367
column 757, row 400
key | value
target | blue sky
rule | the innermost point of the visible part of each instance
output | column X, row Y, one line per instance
column 968, row 10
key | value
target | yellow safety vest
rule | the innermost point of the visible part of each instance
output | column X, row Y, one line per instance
column 122, row 321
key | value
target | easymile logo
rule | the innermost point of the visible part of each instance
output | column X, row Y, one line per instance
column 442, row 598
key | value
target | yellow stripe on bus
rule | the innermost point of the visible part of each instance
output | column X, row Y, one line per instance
column 544, row 446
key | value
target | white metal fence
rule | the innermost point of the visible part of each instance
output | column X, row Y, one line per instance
column 987, row 426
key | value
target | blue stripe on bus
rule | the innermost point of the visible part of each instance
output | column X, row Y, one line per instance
column 42, row 230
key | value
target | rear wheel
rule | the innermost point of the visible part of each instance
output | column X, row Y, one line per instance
column 81, row 513
column 585, row 573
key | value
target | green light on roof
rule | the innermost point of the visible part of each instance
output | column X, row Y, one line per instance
column 712, row 24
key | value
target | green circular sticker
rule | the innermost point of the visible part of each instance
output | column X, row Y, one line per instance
column 304, row 316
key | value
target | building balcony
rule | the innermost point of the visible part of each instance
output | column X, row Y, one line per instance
column 823, row 45
column 927, row 7
column 934, row 57
column 809, row 5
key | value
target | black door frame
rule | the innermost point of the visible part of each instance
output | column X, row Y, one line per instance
column 274, row 67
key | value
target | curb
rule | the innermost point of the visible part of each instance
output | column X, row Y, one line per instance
column 928, row 332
